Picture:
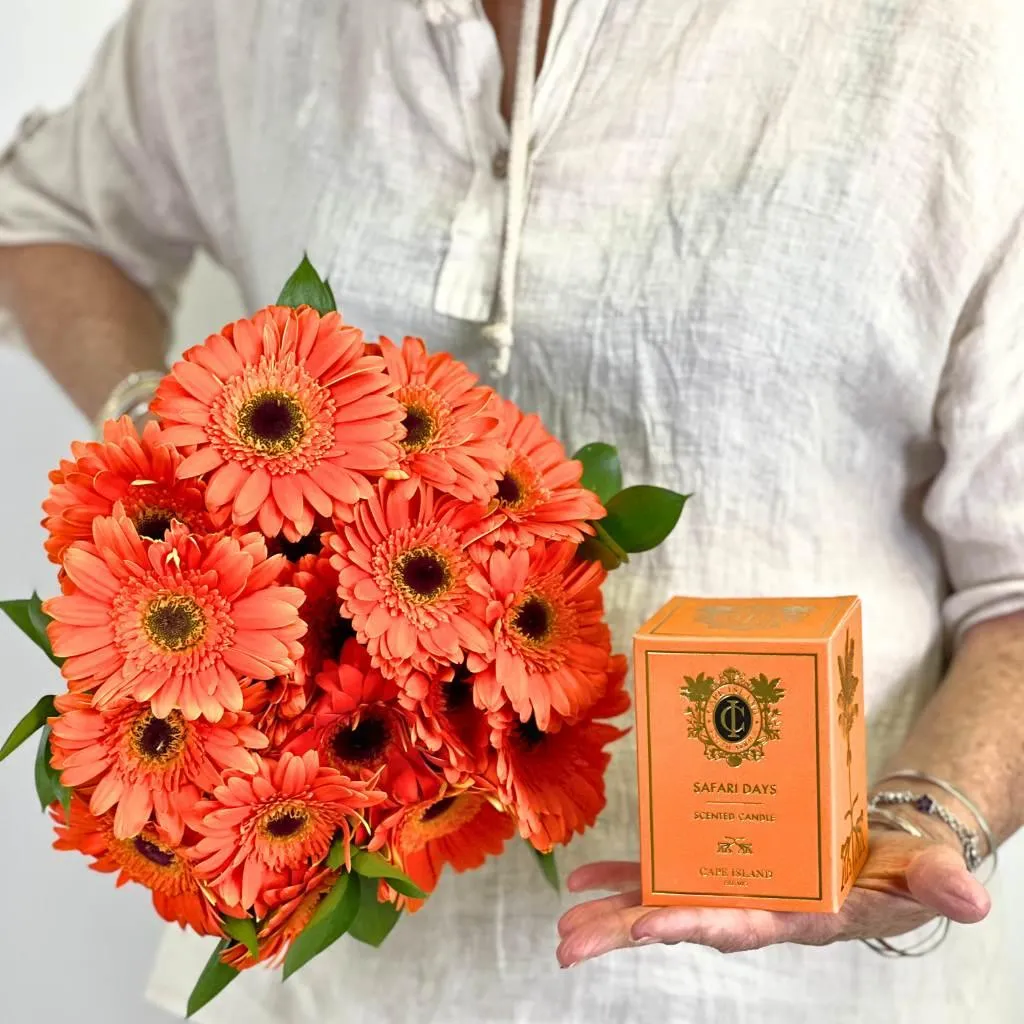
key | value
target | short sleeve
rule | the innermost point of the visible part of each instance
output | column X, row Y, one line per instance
column 976, row 503
column 100, row 174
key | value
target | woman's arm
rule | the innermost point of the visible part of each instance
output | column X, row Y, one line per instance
column 97, row 227
column 971, row 734
column 89, row 324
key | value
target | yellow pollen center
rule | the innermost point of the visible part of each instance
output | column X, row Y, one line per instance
column 147, row 859
column 272, row 422
column 420, row 428
column 287, row 823
column 155, row 852
column 421, row 575
column 441, row 818
column 533, row 620
column 510, row 491
column 174, row 623
column 157, row 741
column 153, row 521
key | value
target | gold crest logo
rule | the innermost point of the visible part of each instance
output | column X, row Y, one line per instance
column 733, row 716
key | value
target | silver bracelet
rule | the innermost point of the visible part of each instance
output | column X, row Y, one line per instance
column 131, row 397
column 928, row 943
column 956, row 794
column 896, row 821
column 969, row 844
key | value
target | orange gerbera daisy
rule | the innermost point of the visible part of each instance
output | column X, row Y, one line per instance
column 615, row 700
column 539, row 495
column 138, row 472
column 452, row 433
column 553, row 780
column 147, row 858
column 447, row 722
column 276, row 705
column 552, row 643
column 143, row 765
column 175, row 622
column 258, row 829
column 291, row 908
column 327, row 629
column 288, row 414
column 403, row 571
column 457, row 827
column 357, row 726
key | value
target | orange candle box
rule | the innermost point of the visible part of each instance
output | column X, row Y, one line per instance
column 751, row 750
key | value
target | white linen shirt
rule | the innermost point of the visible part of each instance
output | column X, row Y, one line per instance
column 772, row 249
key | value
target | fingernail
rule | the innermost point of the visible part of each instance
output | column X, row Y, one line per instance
column 966, row 892
column 970, row 903
column 643, row 940
column 566, row 967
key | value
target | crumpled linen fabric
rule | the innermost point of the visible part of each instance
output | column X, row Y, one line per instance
column 772, row 249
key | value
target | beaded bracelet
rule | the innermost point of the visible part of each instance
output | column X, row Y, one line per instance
column 957, row 794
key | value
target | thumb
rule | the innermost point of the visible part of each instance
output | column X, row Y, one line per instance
column 938, row 878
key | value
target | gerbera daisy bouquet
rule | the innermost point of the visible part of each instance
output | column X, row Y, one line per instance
column 330, row 622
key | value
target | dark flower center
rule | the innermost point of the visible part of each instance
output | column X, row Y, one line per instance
column 435, row 810
column 465, row 720
column 285, row 825
column 364, row 745
column 419, row 428
column 159, row 739
column 508, row 490
column 422, row 575
column 308, row 545
column 337, row 632
column 153, row 522
column 272, row 422
column 174, row 622
column 157, row 854
column 528, row 733
column 457, row 695
column 533, row 619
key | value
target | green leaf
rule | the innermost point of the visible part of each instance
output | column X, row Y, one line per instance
column 48, row 785
column 606, row 540
column 336, row 854
column 44, row 783
column 602, row 548
column 548, row 867
column 306, row 288
column 332, row 919
column 330, row 295
column 373, row 865
column 375, row 920
column 32, row 722
column 640, row 518
column 243, row 930
column 216, row 977
column 28, row 615
column 602, row 473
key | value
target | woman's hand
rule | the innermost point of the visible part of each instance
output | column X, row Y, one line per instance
column 905, row 883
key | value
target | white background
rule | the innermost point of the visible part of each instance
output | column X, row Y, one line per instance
column 70, row 948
